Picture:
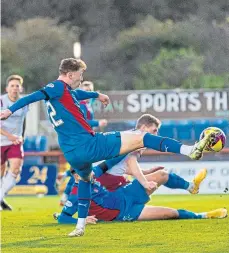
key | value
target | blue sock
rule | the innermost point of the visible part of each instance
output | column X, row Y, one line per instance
column 68, row 173
column 184, row 214
column 69, row 185
column 176, row 182
column 66, row 219
column 162, row 144
column 84, row 198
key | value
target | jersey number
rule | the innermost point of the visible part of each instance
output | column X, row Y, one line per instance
column 52, row 114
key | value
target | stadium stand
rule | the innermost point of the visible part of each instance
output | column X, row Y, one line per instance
column 187, row 131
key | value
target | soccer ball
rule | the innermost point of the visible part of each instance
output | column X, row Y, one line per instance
column 218, row 141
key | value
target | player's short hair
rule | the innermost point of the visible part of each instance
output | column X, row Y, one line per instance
column 14, row 77
column 70, row 65
column 148, row 120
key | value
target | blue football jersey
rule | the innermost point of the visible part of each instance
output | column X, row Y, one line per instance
column 66, row 116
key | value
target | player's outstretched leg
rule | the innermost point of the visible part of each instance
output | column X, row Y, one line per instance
column 165, row 213
column 217, row 213
column 134, row 140
column 173, row 181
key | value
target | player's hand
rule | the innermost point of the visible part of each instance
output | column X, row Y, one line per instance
column 15, row 139
column 102, row 122
column 91, row 220
column 104, row 99
column 149, row 186
column 5, row 114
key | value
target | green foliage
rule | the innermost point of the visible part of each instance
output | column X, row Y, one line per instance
column 182, row 68
column 207, row 81
column 10, row 59
column 117, row 37
column 181, row 54
column 35, row 53
column 169, row 69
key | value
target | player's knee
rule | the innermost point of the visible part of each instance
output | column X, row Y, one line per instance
column 16, row 171
column 171, row 214
column 164, row 174
column 15, row 168
column 139, row 139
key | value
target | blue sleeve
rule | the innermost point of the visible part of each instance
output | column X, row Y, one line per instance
column 98, row 171
column 82, row 95
column 84, row 110
column 104, row 166
column 113, row 161
column 34, row 97
column 53, row 90
column 91, row 122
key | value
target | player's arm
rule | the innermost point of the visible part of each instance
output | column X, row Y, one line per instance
column 50, row 91
column 34, row 97
column 82, row 95
column 64, row 219
column 92, row 123
column 23, row 128
column 97, row 123
column 134, row 169
column 14, row 138
column 105, row 166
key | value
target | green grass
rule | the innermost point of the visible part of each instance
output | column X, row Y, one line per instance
column 31, row 228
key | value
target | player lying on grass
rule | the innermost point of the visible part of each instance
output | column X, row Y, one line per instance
column 128, row 202
column 79, row 143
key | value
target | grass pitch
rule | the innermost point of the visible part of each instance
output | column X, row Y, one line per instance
column 31, row 228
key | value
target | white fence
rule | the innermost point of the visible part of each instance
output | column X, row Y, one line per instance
column 216, row 182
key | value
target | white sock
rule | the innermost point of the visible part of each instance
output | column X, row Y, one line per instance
column 64, row 197
column 204, row 215
column 81, row 223
column 190, row 187
column 64, row 175
column 8, row 182
column 186, row 150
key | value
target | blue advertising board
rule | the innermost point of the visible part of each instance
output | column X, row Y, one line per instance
column 38, row 179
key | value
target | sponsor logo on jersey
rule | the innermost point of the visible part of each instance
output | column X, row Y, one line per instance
column 50, row 85
column 68, row 204
column 80, row 204
column 127, row 218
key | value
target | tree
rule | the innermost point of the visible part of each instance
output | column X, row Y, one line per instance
column 36, row 53
column 182, row 68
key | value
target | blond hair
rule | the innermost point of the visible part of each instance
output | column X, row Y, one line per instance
column 14, row 77
column 71, row 65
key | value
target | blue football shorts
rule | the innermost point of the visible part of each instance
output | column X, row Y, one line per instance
column 135, row 200
column 101, row 146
